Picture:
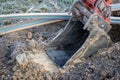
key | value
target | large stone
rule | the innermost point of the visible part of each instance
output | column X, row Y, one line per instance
column 22, row 59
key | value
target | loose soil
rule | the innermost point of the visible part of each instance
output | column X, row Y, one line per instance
column 18, row 50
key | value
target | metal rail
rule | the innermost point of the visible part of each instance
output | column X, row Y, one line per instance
column 63, row 16
column 115, row 7
column 115, row 20
column 36, row 16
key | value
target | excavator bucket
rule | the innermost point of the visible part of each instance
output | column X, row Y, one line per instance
column 78, row 40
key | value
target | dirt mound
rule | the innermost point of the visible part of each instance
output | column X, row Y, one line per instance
column 18, row 49
column 29, row 41
column 103, row 65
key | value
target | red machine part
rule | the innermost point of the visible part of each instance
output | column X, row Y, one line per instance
column 102, row 7
column 109, row 1
column 90, row 3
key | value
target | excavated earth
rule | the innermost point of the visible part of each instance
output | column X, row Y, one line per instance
column 21, row 57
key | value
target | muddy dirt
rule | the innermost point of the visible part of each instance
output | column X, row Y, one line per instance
column 103, row 65
column 115, row 33
column 27, row 41
column 18, row 60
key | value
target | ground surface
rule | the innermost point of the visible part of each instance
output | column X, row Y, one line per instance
column 18, row 52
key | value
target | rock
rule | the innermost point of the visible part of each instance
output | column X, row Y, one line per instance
column 10, row 78
column 28, row 74
column 3, row 76
column 18, row 50
column 29, row 35
column 41, row 46
column 22, row 59
column 6, row 78
column 32, row 43
column 14, row 77
column 31, row 78
column 15, row 68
